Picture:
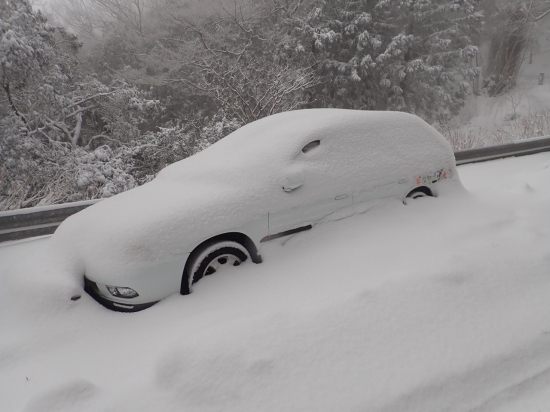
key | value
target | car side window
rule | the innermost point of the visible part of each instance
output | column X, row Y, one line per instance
column 311, row 146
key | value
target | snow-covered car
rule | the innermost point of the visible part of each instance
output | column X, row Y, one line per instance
column 267, row 181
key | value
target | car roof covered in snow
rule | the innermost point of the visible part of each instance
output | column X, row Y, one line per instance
column 273, row 143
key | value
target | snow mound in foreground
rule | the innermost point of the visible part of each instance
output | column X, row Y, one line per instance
column 440, row 305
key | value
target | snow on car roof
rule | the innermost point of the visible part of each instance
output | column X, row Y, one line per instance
column 275, row 141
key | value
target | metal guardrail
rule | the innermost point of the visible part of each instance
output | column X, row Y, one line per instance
column 516, row 148
column 38, row 221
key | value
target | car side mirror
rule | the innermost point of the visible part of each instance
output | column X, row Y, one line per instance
column 293, row 181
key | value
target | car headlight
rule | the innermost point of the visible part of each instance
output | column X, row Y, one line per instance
column 122, row 292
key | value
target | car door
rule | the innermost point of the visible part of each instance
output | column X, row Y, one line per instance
column 312, row 191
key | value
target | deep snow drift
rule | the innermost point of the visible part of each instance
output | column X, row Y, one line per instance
column 439, row 305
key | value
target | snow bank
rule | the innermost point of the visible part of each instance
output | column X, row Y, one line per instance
column 440, row 305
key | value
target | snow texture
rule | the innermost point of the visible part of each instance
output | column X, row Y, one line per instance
column 439, row 305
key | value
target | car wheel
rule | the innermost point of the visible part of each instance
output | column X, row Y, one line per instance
column 415, row 194
column 215, row 257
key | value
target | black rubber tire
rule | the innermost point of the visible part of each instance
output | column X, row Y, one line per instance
column 208, row 259
column 416, row 194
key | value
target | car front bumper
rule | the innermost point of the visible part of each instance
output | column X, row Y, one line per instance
column 91, row 288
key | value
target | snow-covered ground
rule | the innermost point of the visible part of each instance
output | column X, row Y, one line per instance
column 442, row 305
column 484, row 115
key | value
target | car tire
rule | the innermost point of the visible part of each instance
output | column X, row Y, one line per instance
column 416, row 194
column 214, row 257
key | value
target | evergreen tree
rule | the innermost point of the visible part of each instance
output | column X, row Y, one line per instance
column 26, row 40
column 407, row 55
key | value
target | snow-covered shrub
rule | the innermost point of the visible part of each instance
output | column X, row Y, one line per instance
column 149, row 154
column 525, row 127
column 36, row 171
column 214, row 130
column 461, row 140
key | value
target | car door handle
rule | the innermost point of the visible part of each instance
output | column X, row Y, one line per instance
column 340, row 197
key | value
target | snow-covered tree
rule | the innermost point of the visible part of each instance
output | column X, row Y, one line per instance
column 408, row 55
column 45, row 90
column 227, row 57
column 513, row 32
column 164, row 79
column 91, row 18
column 53, row 118
column 26, row 40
